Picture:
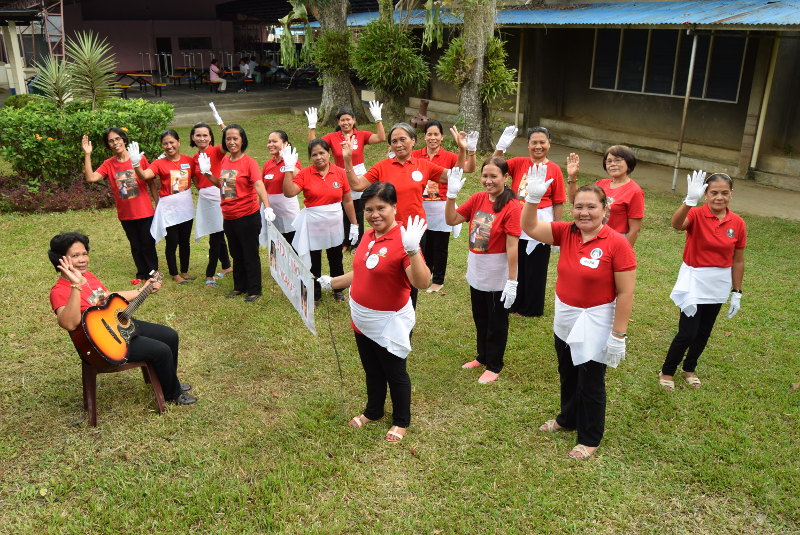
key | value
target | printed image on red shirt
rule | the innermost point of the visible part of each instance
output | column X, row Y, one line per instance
column 480, row 228
column 179, row 180
column 126, row 182
column 227, row 178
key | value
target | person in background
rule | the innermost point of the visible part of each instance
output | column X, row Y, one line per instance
column 215, row 75
column 285, row 208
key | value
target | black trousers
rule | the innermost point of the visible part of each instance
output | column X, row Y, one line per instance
column 382, row 369
column 178, row 238
column 358, row 204
column 583, row 396
column 143, row 246
column 435, row 253
column 157, row 345
column 334, row 263
column 693, row 334
column 217, row 252
column 242, row 234
column 531, row 279
column 491, row 325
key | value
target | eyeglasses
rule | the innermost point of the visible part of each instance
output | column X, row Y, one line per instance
column 114, row 139
column 616, row 161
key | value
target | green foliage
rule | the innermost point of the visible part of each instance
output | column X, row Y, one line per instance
column 388, row 59
column 91, row 68
column 20, row 100
column 43, row 142
column 289, row 54
column 498, row 79
column 54, row 80
column 433, row 31
column 332, row 52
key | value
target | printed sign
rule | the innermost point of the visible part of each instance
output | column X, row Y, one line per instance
column 292, row 276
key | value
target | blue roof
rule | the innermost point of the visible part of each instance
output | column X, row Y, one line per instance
column 713, row 14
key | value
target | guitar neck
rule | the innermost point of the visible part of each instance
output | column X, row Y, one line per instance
column 134, row 303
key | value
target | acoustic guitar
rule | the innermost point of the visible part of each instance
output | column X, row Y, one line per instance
column 105, row 331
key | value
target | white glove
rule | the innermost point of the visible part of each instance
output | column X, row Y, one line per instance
column 215, row 113
column 615, row 349
column 412, row 234
column 269, row 214
column 289, row 155
column 311, row 115
column 135, row 154
column 455, row 181
column 353, row 233
column 507, row 138
column 325, row 282
column 455, row 232
column 537, row 186
column 375, row 109
column 736, row 304
column 695, row 187
column 204, row 162
column 509, row 294
column 161, row 156
column 472, row 141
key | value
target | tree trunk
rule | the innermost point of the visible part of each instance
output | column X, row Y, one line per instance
column 481, row 17
column 337, row 91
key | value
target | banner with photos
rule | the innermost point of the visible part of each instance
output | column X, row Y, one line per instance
column 292, row 276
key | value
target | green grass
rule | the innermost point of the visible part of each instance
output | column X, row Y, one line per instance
column 266, row 448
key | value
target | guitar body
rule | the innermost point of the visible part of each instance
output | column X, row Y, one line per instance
column 105, row 331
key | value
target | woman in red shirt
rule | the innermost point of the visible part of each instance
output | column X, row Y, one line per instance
column 493, row 216
column 325, row 191
column 174, row 217
column 713, row 267
column 134, row 205
column 625, row 197
column 385, row 266
column 285, row 208
column 534, row 256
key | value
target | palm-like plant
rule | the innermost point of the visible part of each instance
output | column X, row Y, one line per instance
column 54, row 80
column 92, row 67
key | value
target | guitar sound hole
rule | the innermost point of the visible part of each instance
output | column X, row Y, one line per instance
column 122, row 318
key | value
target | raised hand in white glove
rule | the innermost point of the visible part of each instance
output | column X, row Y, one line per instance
column 269, row 214
column 353, row 234
column 311, row 115
column 472, row 141
column 204, row 163
column 615, row 349
column 509, row 294
column 325, row 282
column 215, row 113
column 135, row 154
column 537, row 185
column 455, row 181
column 412, row 233
column 289, row 156
column 695, row 187
column 736, row 304
column 376, row 110
column 507, row 138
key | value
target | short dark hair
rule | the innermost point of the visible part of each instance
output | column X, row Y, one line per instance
column 344, row 110
column 384, row 191
column 435, row 123
column 624, row 152
column 318, row 141
column 60, row 244
column 720, row 176
column 281, row 134
column 539, row 130
column 170, row 133
column 195, row 127
column 119, row 131
column 242, row 134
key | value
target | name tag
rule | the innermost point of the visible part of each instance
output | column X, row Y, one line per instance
column 185, row 166
column 268, row 177
column 285, row 168
column 590, row 262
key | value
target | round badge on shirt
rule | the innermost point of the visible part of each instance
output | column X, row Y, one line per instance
column 416, row 175
column 372, row 261
column 269, row 177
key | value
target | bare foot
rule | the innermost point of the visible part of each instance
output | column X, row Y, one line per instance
column 226, row 271
column 395, row 434
column 359, row 421
column 178, row 279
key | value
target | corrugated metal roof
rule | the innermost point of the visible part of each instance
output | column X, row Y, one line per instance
column 714, row 14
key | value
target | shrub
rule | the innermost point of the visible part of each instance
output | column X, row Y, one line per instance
column 498, row 80
column 78, row 195
column 331, row 52
column 43, row 143
column 19, row 100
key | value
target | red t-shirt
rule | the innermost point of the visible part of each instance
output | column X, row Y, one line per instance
column 215, row 154
column 335, row 139
column 518, row 168
column 59, row 293
column 386, row 286
column 237, row 186
column 273, row 172
column 319, row 191
column 586, row 270
column 627, row 202
column 711, row 242
column 487, row 228
column 175, row 176
column 130, row 192
column 436, row 191
column 409, row 179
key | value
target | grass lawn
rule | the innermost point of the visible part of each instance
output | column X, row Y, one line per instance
column 266, row 448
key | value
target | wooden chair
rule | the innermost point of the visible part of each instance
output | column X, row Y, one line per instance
column 89, row 375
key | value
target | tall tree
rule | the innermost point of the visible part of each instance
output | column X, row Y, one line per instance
column 480, row 15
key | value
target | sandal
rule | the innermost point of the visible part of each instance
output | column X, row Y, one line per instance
column 550, row 426
column 398, row 436
column 211, row 284
column 359, row 421
column 581, row 452
column 693, row 380
column 666, row 384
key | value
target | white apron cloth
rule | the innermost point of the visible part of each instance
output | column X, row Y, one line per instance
column 388, row 328
column 285, row 208
column 317, row 228
column 586, row 331
column 543, row 214
column 434, row 216
column 700, row 286
column 360, row 170
column 209, row 213
column 171, row 210
column 487, row 272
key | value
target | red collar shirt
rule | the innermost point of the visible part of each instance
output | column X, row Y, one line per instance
column 319, row 190
column 237, row 186
column 436, row 191
column 59, row 293
column 555, row 194
column 175, row 176
column 360, row 141
column 711, row 242
column 130, row 192
column 410, row 179
column 626, row 202
column 386, row 285
column 272, row 174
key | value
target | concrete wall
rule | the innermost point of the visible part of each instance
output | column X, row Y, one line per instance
column 782, row 128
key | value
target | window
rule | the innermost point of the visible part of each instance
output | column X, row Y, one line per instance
column 657, row 62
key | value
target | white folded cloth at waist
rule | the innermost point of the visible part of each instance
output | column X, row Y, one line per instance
column 700, row 286
column 434, row 216
column 317, row 228
column 286, row 210
column 390, row 329
column 171, row 210
column 487, row 272
column 543, row 214
column 209, row 213
column 586, row 331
